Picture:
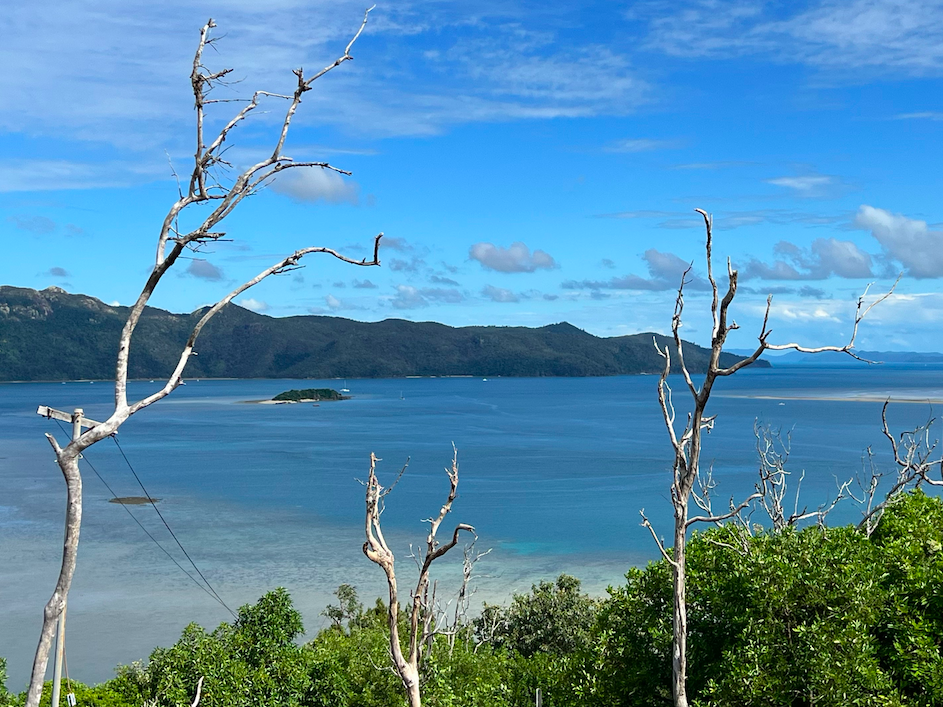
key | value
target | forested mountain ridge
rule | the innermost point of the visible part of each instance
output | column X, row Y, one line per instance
column 53, row 335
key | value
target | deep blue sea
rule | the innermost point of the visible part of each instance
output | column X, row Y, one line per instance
column 553, row 474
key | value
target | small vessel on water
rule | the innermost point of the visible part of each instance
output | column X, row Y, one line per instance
column 345, row 389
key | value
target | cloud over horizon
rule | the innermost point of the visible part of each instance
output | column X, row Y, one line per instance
column 664, row 269
column 907, row 241
column 313, row 184
column 514, row 259
column 825, row 257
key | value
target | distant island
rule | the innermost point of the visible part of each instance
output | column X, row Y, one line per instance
column 309, row 395
column 51, row 335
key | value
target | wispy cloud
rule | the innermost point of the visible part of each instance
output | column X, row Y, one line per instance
column 723, row 164
column 923, row 115
column 729, row 220
column 640, row 145
column 810, row 185
column 19, row 175
column 37, row 225
column 459, row 65
column 881, row 36
column 664, row 269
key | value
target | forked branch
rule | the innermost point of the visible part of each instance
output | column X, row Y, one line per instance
column 422, row 622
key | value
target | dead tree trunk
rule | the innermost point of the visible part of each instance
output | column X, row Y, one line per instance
column 421, row 626
column 205, row 187
column 687, row 445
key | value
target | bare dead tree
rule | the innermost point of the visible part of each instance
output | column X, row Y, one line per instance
column 773, row 453
column 205, row 187
column 460, row 621
column 421, row 616
column 687, row 444
column 914, row 459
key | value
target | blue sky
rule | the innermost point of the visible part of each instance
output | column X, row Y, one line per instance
column 529, row 162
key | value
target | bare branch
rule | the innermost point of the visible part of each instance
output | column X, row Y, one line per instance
column 661, row 546
column 199, row 691
column 724, row 516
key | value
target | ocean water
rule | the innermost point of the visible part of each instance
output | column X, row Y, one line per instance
column 553, row 474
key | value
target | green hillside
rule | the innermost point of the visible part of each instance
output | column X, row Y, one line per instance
column 54, row 335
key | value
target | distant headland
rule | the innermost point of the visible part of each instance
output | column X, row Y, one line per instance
column 51, row 335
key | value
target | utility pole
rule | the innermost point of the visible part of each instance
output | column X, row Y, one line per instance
column 78, row 420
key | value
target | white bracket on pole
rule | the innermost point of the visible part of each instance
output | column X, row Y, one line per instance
column 78, row 420
column 53, row 414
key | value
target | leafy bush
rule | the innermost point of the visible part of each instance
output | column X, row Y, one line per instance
column 254, row 660
column 813, row 616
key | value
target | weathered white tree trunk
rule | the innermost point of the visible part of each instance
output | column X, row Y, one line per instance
column 687, row 444
column 421, row 629
column 205, row 189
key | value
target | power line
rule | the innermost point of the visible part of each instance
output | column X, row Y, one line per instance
column 147, row 532
column 167, row 525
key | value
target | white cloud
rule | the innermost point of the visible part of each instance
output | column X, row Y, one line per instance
column 204, row 269
column 253, row 304
column 408, row 297
column 516, row 258
column 499, row 294
column 809, row 185
column 906, row 240
column 312, row 184
column 826, row 257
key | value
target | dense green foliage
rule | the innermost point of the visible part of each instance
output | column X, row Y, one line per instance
column 52, row 335
column 823, row 616
column 817, row 616
column 310, row 394
column 555, row 618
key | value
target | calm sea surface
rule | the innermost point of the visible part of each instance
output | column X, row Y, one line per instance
column 553, row 474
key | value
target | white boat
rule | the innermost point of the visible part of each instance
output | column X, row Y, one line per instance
column 345, row 389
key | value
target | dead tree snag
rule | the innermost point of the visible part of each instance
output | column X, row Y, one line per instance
column 687, row 444
column 422, row 612
column 205, row 187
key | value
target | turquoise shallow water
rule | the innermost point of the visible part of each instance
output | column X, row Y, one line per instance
column 553, row 473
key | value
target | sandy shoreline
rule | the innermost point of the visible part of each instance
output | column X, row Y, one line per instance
column 839, row 398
